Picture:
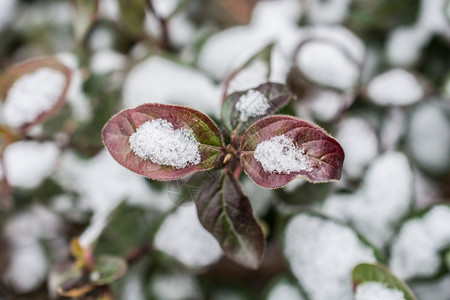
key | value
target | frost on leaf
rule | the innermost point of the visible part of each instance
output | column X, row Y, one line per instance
column 280, row 155
column 277, row 149
column 375, row 291
column 163, row 142
column 252, row 104
column 243, row 108
column 32, row 91
column 157, row 141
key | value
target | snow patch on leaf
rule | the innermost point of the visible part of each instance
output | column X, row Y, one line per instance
column 280, row 155
column 183, row 237
column 376, row 291
column 395, row 87
column 416, row 250
column 252, row 104
column 337, row 249
column 31, row 95
column 157, row 141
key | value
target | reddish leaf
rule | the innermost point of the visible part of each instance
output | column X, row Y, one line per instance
column 117, row 132
column 321, row 154
column 226, row 213
column 31, row 66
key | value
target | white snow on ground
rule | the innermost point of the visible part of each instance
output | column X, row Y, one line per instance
column 159, row 80
column 157, row 141
column 428, row 138
column 31, row 95
column 164, row 8
column 7, row 12
column 377, row 291
column 252, row 104
column 384, row 198
column 395, row 87
column 106, row 61
column 251, row 76
column 28, row 163
column 405, row 43
column 109, row 9
column 393, row 128
column 433, row 290
column 279, row 154
column 229, row 49
column 326, row 105
column 24, row 232
column 416, row 250
column 102, row 184
column 360, row 144
column 179, row 286
column 326, row 12
column 320, row 250
column 285, row 291
column 326, row 64
column 183, row 237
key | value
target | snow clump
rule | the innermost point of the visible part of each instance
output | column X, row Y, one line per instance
column 252, row 104
column 157, row 141
column 377, row 291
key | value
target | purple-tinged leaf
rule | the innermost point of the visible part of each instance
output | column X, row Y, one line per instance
column 243, row 108
column 364, row 273
column 226, row 213
column 277, row 149
column 189, row 124
column 35, row 78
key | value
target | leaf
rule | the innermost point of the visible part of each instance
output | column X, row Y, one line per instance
column 277, row 96
column 377, row 273
column 118, row 130
column 132, row 16
column 323, row 156
column 226, row 213
column 31, row 66
column 68, row 280
column 447, row 259
column 108, row 269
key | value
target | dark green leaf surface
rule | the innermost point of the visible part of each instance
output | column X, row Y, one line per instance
column 226, row 213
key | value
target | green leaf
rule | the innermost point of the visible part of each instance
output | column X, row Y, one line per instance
column 67, row 279
column 377, row 273
column 116, row 135
column 234, row 116
column 132, row 16
column 108, row 269
column 447, row 259
column 226, row 213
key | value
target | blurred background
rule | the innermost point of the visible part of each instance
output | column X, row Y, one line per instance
column 374, row 73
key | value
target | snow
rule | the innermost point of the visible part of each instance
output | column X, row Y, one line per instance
column 384, row 198
column 326, row 12
column 360, row 144
column 405, row 44
column 395, row 87
column 177, row 286
column 7, row 12
column 326, row 105
column 428, row 138
column 320, row 250
column 109, row 9
column 106, row 61
column 25, row 233
column 253, row 75
column 377, row 291
column 28, row 163
column 416, row 250
column 252, row 104
column 31, row 95
column 327, row 65
column 432, row 290
column 182, row 236
column 164, row 8
column 159, row 142
column 159, row 80
column 279, row 154
column 284, row 291
column 260, row 198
